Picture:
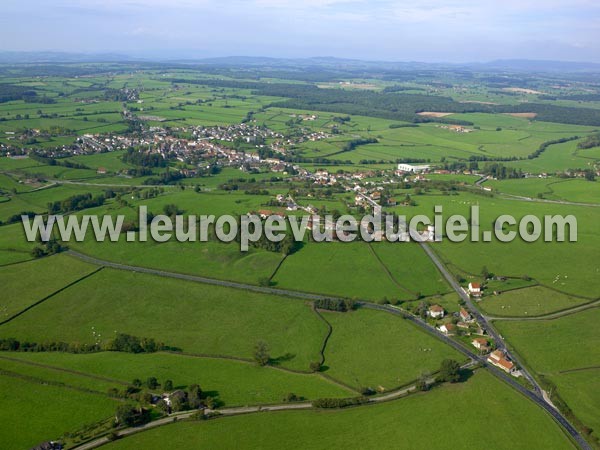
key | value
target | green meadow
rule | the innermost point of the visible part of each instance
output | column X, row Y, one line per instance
column 26, row 283
column 490, row 412
column 378, row 350
column 40, row 412
column 197, row 318
column 531, row 301
column 232, row 382
column 566, row 352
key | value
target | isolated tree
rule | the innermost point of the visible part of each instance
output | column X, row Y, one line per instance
column 261, row 353
column 315, row 366
column 125, row 415
column 168, row 385
column 485, row 272
column 449, row 371
column 152, row 383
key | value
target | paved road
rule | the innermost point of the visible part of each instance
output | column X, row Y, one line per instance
column 500, row 344
column 199, row 279
column 536, row 396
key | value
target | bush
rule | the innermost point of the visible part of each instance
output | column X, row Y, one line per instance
column 339, row 402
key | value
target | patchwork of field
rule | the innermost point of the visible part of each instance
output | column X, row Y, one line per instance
column 484, row 403
column 566, row 351
column 50, row 275
column 213, row 330
column 234, row 383
column 557, row 265
column 201, row 317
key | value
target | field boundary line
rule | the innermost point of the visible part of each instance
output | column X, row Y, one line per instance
column 579, row 369
column 387, row 271
column 62, row 369
column 327, row 336
column 32, row 379
column 33, row 305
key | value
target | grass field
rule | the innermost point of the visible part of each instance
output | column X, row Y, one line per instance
column 574, row 190
column 342, row 269
column 553, row 347
column 480, row 410
column 531, row 301
column 40, row 412
column 26, row 283
column 197, row 318
column 411, row 268
column 233, row 382
column 372, row 349
column 557, row 264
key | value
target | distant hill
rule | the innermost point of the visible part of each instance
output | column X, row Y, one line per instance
column 322, row 62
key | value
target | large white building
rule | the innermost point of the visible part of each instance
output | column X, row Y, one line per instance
column 413, row 169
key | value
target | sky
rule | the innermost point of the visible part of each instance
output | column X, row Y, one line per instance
column 401, row 30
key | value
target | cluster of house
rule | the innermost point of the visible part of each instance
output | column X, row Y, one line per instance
column 466, row 323
column 456, row 128
column 481, row 343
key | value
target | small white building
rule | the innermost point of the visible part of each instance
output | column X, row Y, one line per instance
column 436, row 312
column 475, row 289
column 447, row 328
column 413, row 169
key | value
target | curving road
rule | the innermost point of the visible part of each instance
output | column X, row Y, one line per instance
column 537, row 396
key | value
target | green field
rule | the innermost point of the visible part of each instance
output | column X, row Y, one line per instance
column 378, row 350
column 567, row 352
column 47, row 275
column 195, row 317
column 232, row 382
column 40, row 412
column 532, row 301
column 480, row 410
column 195, row 132
column 342, row 269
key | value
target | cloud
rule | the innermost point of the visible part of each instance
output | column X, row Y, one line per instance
column 385, row 29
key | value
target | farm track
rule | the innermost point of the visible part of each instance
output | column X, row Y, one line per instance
column 537, row 396
column 387, row 271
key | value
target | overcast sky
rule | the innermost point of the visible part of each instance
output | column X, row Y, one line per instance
column 401, row 30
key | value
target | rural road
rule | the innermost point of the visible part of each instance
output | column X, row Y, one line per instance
column 243, row 410
column 536, row 396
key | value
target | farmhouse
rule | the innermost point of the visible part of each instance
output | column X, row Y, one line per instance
column 475, row 289
column 464, row 315
column 497, row 359
column 412, row 169
column 447, row 328
column 436, row 311
column 480, row 344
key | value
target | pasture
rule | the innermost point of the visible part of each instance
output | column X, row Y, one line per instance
column 197, row 318
column 378, row 350
column 483, row 402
